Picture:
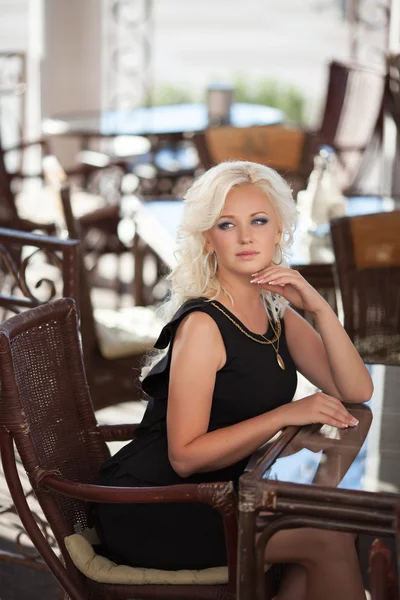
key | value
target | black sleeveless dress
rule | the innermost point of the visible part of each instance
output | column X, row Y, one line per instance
column 188, row 536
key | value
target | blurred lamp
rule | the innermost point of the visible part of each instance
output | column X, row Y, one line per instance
column 219, row 102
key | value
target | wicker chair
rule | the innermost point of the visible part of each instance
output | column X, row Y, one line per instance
column 45, row 410
column 17, row 294
column 289, row 150
column 367, row 270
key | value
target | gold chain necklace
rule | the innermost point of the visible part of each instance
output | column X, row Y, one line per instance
column 277, row 335
column 279, row 358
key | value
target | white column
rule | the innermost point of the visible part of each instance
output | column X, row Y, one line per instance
column 391, row 137
column 71, row 68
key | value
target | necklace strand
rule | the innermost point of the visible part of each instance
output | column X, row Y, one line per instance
column 279, row 358
column 277, row 333
column 276, row 338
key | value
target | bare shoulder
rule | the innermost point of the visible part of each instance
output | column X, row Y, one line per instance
column 199, row 331
column 197, row 323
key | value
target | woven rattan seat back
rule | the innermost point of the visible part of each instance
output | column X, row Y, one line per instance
column 278, row 147
column 289, row 150
column 45, row 404
column 367, row 253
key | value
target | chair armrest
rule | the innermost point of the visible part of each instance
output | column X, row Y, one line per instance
column 220, row 495
column 117, row 433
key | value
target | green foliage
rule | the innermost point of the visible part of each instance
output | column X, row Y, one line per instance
column 172, row 94
column 268, row 92
column 271, row 92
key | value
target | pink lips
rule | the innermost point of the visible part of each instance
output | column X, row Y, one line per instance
column 247, row 254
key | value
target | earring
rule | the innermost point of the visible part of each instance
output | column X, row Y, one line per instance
column 206, row 266
column 281, row 258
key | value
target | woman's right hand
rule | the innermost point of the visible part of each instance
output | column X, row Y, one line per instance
column 317, row 408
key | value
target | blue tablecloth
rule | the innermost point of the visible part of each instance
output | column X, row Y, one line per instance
column 171, row 119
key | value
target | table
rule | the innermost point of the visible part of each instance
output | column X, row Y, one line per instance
column 323, row 477
column 157, row 223
column 168, row 130
column 171, row 120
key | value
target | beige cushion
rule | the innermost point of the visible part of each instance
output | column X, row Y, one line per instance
column 127, row 331
column 101, row 569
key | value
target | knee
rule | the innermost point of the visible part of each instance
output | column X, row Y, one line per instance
column 328, row 546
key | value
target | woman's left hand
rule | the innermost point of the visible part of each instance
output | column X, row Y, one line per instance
column 291, row 285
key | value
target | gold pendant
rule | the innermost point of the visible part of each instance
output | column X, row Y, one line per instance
column 280, row 361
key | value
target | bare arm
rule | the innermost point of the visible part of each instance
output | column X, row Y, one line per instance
column 350, row 374
column 316, row 357
column 328, row 360
column 198, row 353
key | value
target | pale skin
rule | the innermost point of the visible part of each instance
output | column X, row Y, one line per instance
column 324, row 564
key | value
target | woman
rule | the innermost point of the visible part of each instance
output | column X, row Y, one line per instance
column 225, row 383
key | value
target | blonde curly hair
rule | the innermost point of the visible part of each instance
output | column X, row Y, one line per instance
column 204, row 202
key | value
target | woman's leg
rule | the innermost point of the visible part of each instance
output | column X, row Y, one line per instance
column 294, row 584
column 329, row 558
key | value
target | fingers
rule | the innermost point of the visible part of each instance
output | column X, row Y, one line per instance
column 325, row 419
column 274, row 274
column 328, row 417
column 280, row 280
column 334, row 409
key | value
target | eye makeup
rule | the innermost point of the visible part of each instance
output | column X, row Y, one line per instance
column 224, row 225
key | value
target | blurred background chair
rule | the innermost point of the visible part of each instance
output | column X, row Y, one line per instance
column 9, row 216
column 27, row 204
column 286, row 149
column 352, row 88
column 50, row 419
column 367, row 263
column 114, row 341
